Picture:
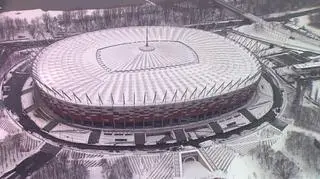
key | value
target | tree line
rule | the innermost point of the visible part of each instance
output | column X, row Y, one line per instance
column 303, row 147
column 275, row 161
column 166, row 12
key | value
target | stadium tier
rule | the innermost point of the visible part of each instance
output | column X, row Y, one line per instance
column 137, row 77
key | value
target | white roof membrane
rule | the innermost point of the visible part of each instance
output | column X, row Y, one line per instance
column 114, row 67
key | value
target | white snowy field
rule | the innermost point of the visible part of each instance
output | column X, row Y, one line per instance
column 244, row 167
column 194, row 170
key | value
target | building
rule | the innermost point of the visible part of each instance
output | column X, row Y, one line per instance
column 143, row 77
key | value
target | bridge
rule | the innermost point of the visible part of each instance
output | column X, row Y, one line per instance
column 279, row 35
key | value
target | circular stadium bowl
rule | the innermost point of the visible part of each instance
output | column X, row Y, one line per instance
column 114, row 78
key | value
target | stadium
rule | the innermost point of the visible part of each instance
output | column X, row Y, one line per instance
column 144, row 77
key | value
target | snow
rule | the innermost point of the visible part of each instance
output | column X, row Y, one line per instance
column 244, row 167
column 276, row 34
column 305, row 172
column 264, row 100
column 28, row 14
column 304, row 21
column 95, row 173
column 27, row 100
column 238, row 119
column 33, row 14
column 153, row 139
column 39, row 121
column 69, row 133
column 223, row 63
column 315, row 90
column 3, row 134
column 7, row 122
column 203, row 132
column 278, row 14
column 27, row 84
column 194, row 170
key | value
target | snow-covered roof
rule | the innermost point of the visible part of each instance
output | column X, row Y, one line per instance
column 114, row 67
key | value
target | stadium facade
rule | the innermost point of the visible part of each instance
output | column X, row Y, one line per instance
column 142, row 77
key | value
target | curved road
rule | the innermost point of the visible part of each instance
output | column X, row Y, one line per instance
column 13, row 102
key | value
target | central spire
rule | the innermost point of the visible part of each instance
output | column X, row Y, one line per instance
column 146, row 47
column 147, row 34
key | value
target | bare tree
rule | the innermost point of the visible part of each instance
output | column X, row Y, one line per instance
column 47, row 20
column 98, row 20
column 32, row 30
column 83, row 19
column 303, row 147
column 106, row 168
column 2, row 31
column 284, row 168
column 19, row 24
column 106, row 17
column 9, row 28
column 66, row 20
column 120, row 169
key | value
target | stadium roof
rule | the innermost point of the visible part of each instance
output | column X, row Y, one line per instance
column 114, row 67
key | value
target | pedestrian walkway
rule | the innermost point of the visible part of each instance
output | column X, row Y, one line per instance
column 248, row 115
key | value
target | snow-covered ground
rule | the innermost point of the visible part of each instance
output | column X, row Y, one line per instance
column 95, row 173
column 38, row 120
column 194, row 170
column 265, row 100
column 27, row 100
column 244, row 167
column 238, row 120
column 315, row 90
column 27, row 84
column 304, row 21
column 3, row 134
column 33, row 14
column 305, row 172
column 106, row 139
column 69, row 133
